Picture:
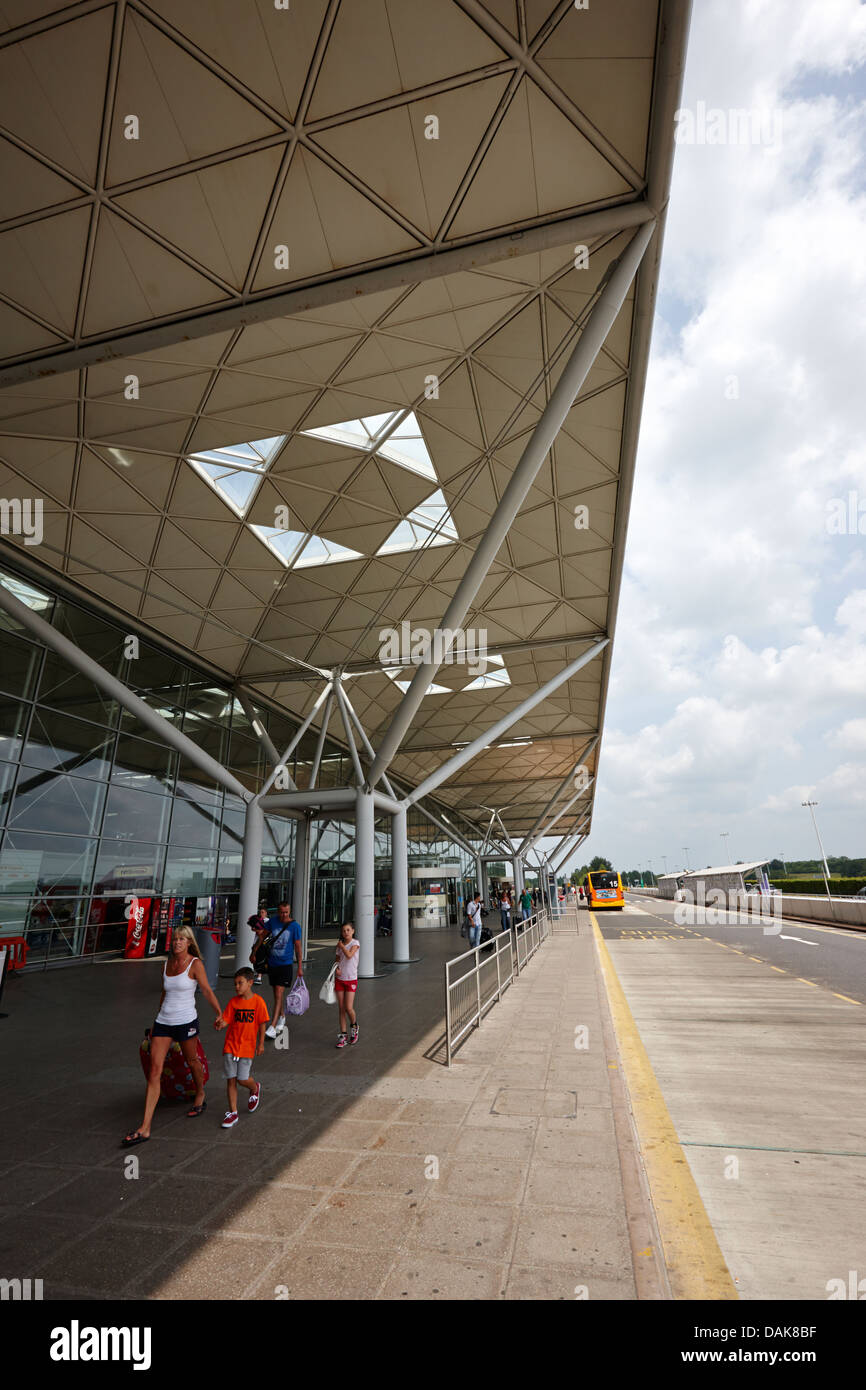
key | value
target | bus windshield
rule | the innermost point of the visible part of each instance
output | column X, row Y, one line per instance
column 603, row 880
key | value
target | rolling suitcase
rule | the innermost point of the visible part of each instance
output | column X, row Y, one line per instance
column 176, row 1082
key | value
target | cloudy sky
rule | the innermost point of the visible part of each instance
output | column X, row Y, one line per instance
column 739, row 675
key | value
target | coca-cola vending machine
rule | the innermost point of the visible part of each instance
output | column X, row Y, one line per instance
column 137, row 923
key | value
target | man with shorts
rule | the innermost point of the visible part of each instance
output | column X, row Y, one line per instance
column 287, row 941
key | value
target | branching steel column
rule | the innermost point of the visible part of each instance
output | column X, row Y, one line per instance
column 365, row 864
column 259, row 729
column 326, row 719
column 477, row 745
column 301, row 878
column 399, row 886
column 557, row 794
column 592, row 337
column 283, row 762
column 566, row 808
column 251, row 870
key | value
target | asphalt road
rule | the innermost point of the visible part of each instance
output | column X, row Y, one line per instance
column 832, row 957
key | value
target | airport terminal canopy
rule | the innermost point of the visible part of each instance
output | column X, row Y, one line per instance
column 284, row 292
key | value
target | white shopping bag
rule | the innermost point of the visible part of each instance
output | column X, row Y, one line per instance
column 327, row 993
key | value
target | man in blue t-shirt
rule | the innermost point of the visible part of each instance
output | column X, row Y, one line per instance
column 287, row 940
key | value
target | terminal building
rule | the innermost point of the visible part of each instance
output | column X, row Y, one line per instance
column 323, row 341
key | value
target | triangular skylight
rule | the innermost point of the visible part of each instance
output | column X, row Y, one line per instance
column 318, row 551
column 235, row 470
column 491, row 678
column 284, row 544
column 434, row 689
column 396, row 436
column 429, row 524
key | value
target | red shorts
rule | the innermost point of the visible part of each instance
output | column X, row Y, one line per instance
column 349, row 985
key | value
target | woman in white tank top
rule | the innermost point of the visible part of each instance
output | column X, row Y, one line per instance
column 176, row 1021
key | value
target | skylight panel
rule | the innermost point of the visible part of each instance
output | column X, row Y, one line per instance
column 235, row 471
column 394, row 671
column 429, row 524
column 284, row 544
column 491, row 679
column 404, row 444
column 318, row 551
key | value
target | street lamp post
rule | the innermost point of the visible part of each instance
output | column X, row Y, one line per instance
column 811, row 805
column 686, row 853
column 726, row 835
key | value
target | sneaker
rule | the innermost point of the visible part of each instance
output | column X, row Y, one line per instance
column 253, row 1102
column 257, row 979
column 342, row 1040
column 353, row 1033
column 229, row 1118
column 271, row 1032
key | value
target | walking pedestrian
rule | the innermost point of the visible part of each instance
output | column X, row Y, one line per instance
column 505, row 908
column 176, row 1021
column 526, row 905
column 346, row 982
column 259, row 924
column 474, row 912
column 245, row 1017
column 286, row 934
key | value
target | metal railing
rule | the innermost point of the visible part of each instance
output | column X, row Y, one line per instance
column 477, row 979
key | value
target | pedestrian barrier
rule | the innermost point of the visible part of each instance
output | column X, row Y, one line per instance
column 477, row 979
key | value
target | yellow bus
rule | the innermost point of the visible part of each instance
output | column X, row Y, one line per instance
column 603, row 889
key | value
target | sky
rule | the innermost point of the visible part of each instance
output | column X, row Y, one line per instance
column 738, row 684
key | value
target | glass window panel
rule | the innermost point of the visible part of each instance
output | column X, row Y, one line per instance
column 278, row 839
column 233, row 828
column 28, row 595
column 194, row 824
column 62, row 805
column 59, row 864
column 144, row 766
column 246, row 757
column 229, row 878
column 197, row 786
column 190, row 871
column 64, row 688
column 158, row 678
column 67, row 745
column 135, row 815
column 19, row 666
column 13, row 718
column 207, row 701
column 128, row 866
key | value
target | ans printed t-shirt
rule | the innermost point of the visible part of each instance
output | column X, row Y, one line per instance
column 245, row 1017
column 283, row 950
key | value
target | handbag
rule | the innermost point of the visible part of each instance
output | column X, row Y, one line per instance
column 327, row 993
column 297, row 999
column 264, row 948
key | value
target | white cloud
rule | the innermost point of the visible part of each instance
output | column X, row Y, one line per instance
column 740, row 655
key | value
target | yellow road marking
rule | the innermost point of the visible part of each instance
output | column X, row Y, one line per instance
column 779, row 969
column 758, row 959
column 847, row 998
column 695, row 1264
column 807, row 982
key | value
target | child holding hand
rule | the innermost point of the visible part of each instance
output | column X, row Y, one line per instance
column 246, row 1017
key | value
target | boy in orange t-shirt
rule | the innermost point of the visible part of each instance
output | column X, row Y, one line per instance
column 245, row 1016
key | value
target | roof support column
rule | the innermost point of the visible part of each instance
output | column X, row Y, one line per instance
column 399, row 886
column 557, row 794
column 589, row 344
column 365, row 866
column 251, row 869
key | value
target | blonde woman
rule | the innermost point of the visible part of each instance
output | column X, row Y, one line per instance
column 176, row 1021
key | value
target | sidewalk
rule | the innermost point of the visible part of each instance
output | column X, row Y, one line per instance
column 368, row 1173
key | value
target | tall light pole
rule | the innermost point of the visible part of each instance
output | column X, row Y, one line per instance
column 812, row 805
column 726, row 835
column 664, row 860
column 784, row 865
column 686, row 853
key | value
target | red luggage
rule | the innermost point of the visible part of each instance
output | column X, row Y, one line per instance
column 176, row 1082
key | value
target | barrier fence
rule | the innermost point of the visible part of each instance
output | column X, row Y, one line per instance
column 477, row 979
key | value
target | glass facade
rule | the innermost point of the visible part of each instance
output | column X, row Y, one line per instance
column 94, row 811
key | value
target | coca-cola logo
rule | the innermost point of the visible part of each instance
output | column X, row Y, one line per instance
column 136, row 920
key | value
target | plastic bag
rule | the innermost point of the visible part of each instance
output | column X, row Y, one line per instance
column 297, row 999
column 327, row 993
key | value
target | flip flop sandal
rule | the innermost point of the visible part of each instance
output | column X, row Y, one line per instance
column 196, row 1110
column 132, row 1139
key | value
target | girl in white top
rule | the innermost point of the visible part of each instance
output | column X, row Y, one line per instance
column 346, row 982
column 176, row 1021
